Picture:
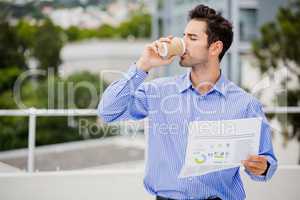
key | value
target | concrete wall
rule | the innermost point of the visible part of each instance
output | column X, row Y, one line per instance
column 124, row 184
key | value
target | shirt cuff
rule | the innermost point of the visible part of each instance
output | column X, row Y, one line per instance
column 271, row 170
column 136, row 75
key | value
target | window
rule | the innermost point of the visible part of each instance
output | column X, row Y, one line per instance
column 248, row 24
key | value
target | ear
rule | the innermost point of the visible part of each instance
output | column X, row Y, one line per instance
column 216, row 48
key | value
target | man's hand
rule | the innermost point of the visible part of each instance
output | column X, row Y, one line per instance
column 150, row 57
column 256, row 165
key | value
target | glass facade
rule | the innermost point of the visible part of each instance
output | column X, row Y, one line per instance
column 248, row 24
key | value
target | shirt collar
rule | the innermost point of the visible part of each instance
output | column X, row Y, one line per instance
column 221, row 85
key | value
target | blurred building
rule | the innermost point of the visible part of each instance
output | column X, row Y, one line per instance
column 108, row 58
column 170, row 17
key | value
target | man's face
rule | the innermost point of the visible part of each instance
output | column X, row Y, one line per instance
column 195, row 38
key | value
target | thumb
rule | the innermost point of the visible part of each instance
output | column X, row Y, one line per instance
column 170, row 37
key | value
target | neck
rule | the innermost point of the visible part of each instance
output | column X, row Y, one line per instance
column 204, row 76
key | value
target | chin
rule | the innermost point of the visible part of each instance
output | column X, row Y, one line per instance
column 184, row 64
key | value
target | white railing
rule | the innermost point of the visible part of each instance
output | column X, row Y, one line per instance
column 33, row 113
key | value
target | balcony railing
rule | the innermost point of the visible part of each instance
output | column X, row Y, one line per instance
column 33, row 113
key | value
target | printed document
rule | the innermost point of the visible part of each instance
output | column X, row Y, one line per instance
column 219, row 145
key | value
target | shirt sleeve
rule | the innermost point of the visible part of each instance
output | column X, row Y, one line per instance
column 126, row 98
column 265, row 147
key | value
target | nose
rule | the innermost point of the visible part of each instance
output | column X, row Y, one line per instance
column 185, row 40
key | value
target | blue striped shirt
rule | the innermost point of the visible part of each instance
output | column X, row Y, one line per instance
column 170, row 103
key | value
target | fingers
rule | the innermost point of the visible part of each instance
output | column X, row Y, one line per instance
column 170, row 37
column 252, row 168
column 158, row 43
column 165, row 39
column 256, row 158
column 251, row 165
column 153, row 47
column 255, row 164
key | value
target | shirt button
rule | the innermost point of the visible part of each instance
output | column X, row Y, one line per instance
column 190, row 179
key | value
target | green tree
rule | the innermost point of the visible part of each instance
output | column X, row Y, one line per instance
column 12, row 61
column 11, row 48
column 17, row 44
column 106, row 31
column 74, row 91
column 138, row 26
column 279, row 45
column 72, row 33
column 26, row 33
column 48, row 42
column 12, row 64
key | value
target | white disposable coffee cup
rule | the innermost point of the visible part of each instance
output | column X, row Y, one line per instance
column 175, row 48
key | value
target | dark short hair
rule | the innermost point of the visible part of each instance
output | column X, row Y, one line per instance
column 218, row 28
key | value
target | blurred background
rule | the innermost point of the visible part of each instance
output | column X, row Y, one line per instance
column 58, row 56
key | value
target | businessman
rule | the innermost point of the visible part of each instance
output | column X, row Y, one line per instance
column 170, row 103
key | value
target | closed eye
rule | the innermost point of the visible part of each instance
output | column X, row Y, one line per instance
column 190, row 36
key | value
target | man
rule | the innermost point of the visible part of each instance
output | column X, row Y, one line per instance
column 171, row 103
